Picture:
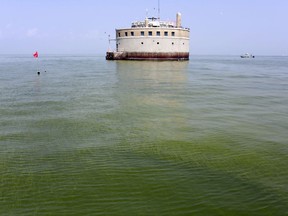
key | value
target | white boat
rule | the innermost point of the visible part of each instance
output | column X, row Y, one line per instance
column 247, row 55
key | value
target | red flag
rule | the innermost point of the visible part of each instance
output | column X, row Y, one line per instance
column 35, row 54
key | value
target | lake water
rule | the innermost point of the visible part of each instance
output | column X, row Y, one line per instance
column 97, row 137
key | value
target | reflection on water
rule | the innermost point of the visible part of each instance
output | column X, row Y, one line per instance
column 152, row 82
column 149, row 95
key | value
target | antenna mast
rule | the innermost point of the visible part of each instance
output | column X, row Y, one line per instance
column 158, row 9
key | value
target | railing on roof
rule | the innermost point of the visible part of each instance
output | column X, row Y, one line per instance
column 154, row 23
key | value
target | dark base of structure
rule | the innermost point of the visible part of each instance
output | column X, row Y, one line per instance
column 163, row 56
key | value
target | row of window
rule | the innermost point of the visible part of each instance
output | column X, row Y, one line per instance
column 150, row 33
column 157, row 43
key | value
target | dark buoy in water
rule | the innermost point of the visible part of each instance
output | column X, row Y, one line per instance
column 38, row 72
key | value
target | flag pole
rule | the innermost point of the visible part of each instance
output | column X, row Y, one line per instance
column 38, row 71
column 36, row 56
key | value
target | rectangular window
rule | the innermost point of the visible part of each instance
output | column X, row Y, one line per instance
column 132, row 33
column 165, row 33
column 119, row 35
column 172, row 34
column 126, row 34
column 158, row 33
column 150, row 33
column 142, row 33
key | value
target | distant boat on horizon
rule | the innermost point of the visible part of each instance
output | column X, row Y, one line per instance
column 247, row 55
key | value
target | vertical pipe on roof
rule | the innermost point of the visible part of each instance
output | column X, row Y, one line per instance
column 178, row 20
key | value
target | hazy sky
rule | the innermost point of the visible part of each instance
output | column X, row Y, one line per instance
column 82, row 26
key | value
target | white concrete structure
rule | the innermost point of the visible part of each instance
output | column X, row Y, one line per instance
column 152, row 39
